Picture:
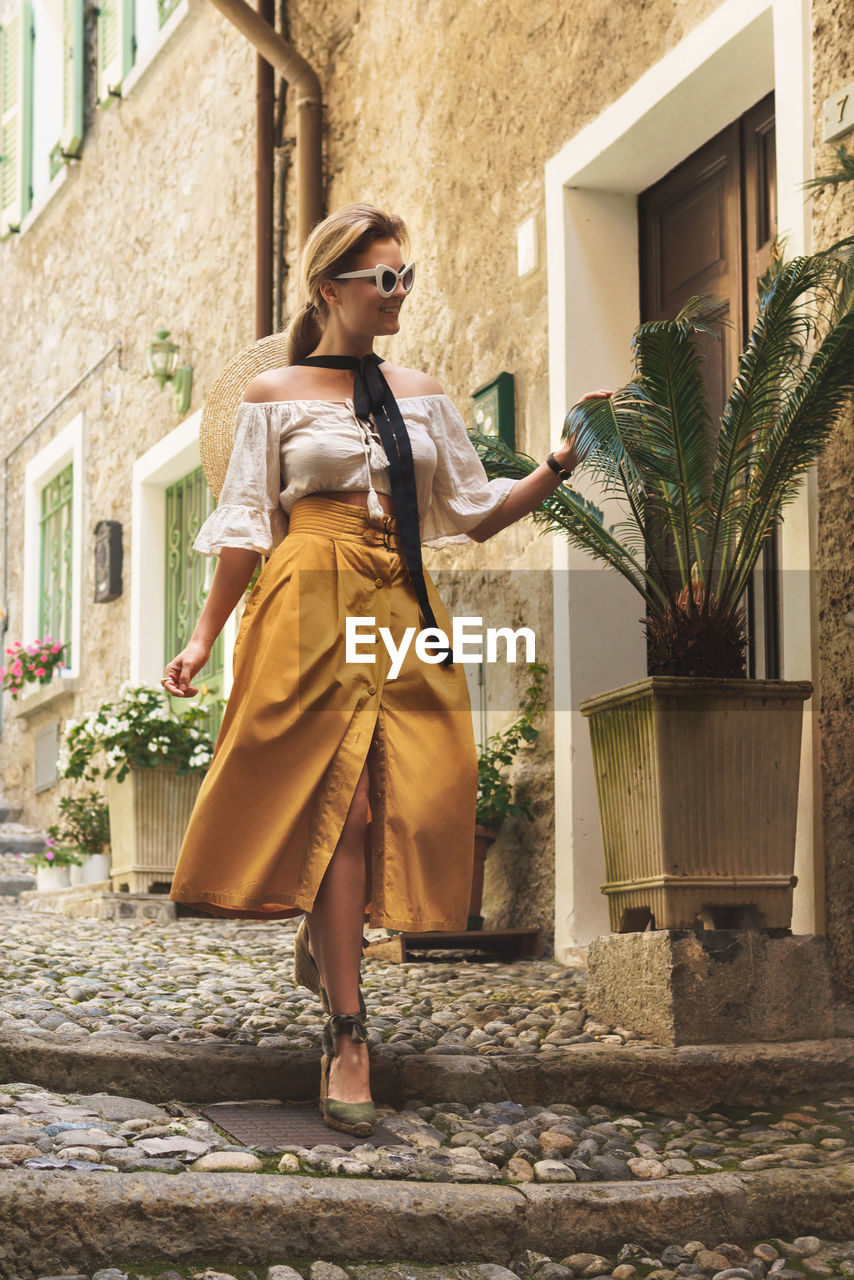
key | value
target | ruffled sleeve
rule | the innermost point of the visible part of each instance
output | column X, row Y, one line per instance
column 462, row 495
column 248, row 513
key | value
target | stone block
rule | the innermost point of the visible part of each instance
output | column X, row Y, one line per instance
column 717, row 986
column 98, row 902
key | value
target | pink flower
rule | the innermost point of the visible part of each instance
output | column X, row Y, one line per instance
column 49, row 855
column 39, row 671
column 16, row 668
column 56, row 648
column 2, row 672
column 32, row 648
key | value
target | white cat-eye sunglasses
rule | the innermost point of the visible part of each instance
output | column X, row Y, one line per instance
column 386, row 278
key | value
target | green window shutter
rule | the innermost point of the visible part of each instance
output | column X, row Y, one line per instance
column 55, row 562
column 128, row 35
column 71, row 138
column 187, row 578
column 116, row 46
column 164, row 9
column 16, row 120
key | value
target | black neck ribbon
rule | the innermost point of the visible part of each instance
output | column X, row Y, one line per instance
column 374, row 397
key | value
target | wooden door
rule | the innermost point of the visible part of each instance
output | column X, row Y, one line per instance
column 707, row 227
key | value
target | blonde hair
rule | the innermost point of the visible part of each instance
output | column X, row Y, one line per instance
column 334, row 246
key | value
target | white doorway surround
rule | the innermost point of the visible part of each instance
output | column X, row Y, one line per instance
column 728, row 62
column 164, row 463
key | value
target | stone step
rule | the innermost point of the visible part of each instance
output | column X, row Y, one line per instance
column 11, row 886
column 253, row 1217
column 694, row 1077
column 25, row 841
column 9, row 815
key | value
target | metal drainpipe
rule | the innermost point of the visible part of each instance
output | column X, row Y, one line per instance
column 264, row 185
column 309, row 104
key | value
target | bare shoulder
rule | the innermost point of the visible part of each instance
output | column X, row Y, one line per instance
column 410, row 382
column 272, row 384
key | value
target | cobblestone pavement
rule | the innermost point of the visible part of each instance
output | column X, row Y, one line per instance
column 784, row 1259
column 493, row 1143
column 204, row 979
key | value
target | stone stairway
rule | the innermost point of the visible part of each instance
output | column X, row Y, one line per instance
column 519, row 1138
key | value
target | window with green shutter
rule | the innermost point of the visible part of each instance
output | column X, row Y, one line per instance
column 55, row 562
column 116, row 47
column 188, row 578
column 16, row 119
column 165, row 8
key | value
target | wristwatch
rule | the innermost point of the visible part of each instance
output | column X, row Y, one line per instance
column 557, row 468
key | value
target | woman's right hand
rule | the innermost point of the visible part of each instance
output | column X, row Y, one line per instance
column 180, row 671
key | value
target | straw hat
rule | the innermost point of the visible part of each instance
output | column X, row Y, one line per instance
column 219, row 415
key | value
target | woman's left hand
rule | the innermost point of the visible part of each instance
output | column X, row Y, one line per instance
column 567, row 454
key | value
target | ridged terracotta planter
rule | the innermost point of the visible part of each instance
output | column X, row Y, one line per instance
column 149, row 813
column 697, row 782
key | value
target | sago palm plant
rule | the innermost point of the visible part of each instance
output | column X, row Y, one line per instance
column 701, row 498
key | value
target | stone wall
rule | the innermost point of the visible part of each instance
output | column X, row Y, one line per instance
column 833, row 218
column 155, row 224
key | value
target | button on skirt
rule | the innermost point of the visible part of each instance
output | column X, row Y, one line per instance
column 302, row 721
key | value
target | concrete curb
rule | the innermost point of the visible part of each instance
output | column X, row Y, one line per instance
column 688, row 1077
column 86, row 1220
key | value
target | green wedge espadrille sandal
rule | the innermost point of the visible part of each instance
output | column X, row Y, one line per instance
column 357, row 1118
column 306, row 972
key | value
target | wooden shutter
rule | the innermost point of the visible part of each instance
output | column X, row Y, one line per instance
column 71, row 137
column 116, row 46
column 16, row 119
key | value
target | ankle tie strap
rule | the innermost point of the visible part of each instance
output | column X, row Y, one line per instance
column 338, row 1024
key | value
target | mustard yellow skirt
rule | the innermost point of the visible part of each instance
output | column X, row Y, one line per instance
column 301, row 722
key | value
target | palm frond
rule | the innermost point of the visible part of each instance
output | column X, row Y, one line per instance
column 844, row 172
column 566, row 512
column 797, row 307
column 668, row 364
column 812, row 412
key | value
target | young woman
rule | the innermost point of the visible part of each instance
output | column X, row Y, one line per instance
column 343, row 465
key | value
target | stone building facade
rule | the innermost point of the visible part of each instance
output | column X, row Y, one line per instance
column 517, row 143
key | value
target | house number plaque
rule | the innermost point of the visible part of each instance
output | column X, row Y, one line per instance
column 839, row 113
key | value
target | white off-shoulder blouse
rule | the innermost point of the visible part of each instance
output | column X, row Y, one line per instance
column 285, row 449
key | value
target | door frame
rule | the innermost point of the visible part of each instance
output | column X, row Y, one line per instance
column 721, row 68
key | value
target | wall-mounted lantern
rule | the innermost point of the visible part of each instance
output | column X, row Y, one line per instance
column 108, row 561
column 161, row 356
column 494, row 409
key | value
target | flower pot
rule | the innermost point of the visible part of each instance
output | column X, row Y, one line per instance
column 483, row 838
column 95, row 867
column 50, row 878
column 697, row 782
column 149, row 813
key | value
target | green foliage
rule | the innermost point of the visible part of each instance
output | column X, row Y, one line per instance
column 138, row 731
column 56, row 854
column 702, row 498
column 844, row 172
column 84, row 822
column 495, row 793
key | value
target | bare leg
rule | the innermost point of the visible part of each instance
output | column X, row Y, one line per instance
column 335, row 931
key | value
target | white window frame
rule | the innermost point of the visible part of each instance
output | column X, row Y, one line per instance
column 148, row 53
column 147, row 56
column 65, row 447
column 744, row 49
column 164, row 463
